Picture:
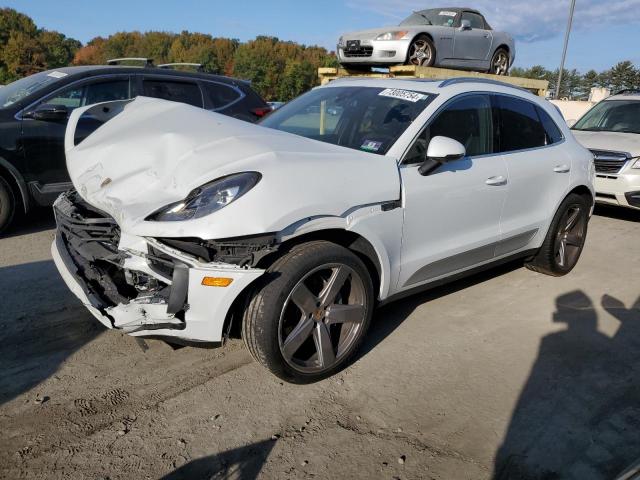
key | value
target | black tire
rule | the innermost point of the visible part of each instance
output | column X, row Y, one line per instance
column 271, row 303
column 548, row 258
column 498, row 67
column 7, row 204
column 429, row 48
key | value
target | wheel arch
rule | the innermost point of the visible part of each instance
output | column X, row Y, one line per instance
column 17, row 183
column 426, row 34
column 506, row 48
column 351, row 240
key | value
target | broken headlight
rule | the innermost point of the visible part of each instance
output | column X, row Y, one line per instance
column 208, row 198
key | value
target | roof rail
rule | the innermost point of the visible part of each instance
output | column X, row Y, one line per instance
column 116, row 61
column 625, row 91
column 454, row 81
column 197, row 66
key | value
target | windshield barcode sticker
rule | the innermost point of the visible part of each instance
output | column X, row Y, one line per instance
column 447, row 14
column 402, row 94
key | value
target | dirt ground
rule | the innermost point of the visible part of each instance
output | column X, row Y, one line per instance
column 509, row 374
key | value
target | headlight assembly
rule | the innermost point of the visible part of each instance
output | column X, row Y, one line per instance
column 402, row 35
column 208, row 198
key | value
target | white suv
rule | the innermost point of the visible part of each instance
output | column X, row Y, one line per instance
column 611, row 130
column 186, row 222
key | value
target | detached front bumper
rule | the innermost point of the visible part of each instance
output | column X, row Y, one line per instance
column 139, row 285
column 375, row 52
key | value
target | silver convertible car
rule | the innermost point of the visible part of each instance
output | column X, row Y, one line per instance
column 444, row 37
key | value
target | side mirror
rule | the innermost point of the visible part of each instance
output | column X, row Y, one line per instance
column 571, row 122
column 440, row 151
column 49, row 113
column 465, row 25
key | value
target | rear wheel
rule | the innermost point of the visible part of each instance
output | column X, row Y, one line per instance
column 500, row 62
column 7, row 204
column 565, row 239
column 310, row 313
column 421, row 52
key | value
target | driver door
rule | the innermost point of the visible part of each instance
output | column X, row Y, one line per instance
column 43, row 140
column 452, row 216
column 472, row 45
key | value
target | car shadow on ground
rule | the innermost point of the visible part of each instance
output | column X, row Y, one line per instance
column 243, row 463
column 390, row 316
column 37, row 220
column 617, row 213
column 41, row 325
column 578, row 414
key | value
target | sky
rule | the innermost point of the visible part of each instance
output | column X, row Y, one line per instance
column 604, row 33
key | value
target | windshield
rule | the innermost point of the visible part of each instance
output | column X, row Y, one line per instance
column 612, row 116
column 16, row 91
column 435, row 16
column 362, row 118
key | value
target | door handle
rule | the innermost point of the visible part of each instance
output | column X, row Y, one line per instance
column 561, row 168
column 497, row 180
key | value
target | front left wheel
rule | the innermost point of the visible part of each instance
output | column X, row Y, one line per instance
column 310, row 312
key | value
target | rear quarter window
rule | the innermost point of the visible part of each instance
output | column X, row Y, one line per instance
column 183, row 92
column 219, row 95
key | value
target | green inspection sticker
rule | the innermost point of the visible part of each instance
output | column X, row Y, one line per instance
column 371, row 146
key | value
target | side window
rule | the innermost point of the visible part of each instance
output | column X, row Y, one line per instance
column 520, row 127
column 89, row 94
column 551, row 129
column 467, row 120
column 475, row 20
column 184, row 92
column 219, row 95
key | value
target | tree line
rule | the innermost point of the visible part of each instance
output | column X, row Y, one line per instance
column 279, row 70
column 576, row 85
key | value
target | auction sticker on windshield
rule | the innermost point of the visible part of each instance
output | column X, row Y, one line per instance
column 402, row 94
column 448, row 14
column 56, row 74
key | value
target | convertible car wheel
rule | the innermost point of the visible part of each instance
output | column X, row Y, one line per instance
column 500, row 62
column 421, row 52
column 565, row 239
column 310, row 313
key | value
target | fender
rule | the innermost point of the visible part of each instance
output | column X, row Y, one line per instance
column 22, row 185
column 381, row 228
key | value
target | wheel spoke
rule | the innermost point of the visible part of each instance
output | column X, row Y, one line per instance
column 345, row 314
column 562, row 252
column 571, row 220
column 304, row 299
column 297, row 337
column 573, row 239
column 334, row 285
column 324, row 347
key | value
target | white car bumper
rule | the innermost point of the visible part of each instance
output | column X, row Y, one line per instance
column 176, row 306
column 375, row 52
column 622, row 189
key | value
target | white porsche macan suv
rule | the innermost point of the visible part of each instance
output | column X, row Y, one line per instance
column 185, row 222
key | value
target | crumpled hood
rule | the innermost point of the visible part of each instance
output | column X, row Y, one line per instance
column 155, row 152
column 612, row 141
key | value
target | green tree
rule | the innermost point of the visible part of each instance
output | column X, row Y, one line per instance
column 623, row 75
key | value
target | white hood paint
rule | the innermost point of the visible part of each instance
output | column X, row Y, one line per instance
column 613, row 141
column 155, row 152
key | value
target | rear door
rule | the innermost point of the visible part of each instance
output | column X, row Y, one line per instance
column 473, row 45
column 43, row 141
column 539, row 172
column 452, row 216
column 172, row 88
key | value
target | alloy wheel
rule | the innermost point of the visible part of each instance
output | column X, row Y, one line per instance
column 501, row 63
column 570, row 236
column 322, row 318
column 420, row 53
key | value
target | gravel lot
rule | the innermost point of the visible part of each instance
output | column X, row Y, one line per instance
column 539, row 373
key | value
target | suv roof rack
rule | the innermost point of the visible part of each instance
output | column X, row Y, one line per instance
column 197, row 66
column 626, row 91
column 148, row 62
column 454, row 81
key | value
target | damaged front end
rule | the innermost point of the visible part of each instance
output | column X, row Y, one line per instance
column 147, row 286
